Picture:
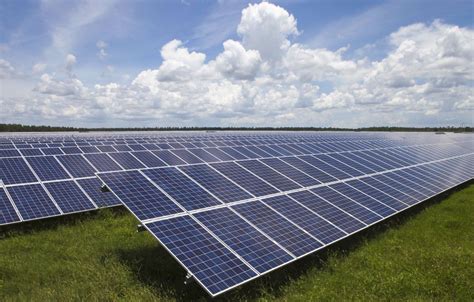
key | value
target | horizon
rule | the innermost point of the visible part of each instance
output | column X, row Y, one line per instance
column 339, row 64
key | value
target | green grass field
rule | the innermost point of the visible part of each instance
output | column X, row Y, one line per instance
column 427, row 254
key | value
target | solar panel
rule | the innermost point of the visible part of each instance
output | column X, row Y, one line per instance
column 232, row 206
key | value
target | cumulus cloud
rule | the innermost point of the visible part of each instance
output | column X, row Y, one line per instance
column 265, row 78
column 38, row 68
column 70, row 62
column 101, row 46
column 6, row 70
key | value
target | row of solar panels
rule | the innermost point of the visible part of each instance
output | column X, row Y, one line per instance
column 38, row 138
column 40, row 199
column 17, row 170
column 228, row 223
column 91, row 147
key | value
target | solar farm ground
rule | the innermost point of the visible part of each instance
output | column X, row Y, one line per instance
column 425, row 254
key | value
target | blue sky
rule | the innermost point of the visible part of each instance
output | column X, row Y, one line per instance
column 296, row 63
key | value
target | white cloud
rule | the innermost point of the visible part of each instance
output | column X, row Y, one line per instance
column 266, row 27
column 6, row 70
column 101, row 46
column 265, row 79
column 38, row 68
column 70, row 62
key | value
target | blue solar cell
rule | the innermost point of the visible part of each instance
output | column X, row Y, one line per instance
column 52, row 151
column 269, row 150
column 7, row 211
column 219, row 154
column 290, row 172
column 76, row 165
column 244, row 179
column 281, row 150
column 234, row 153
column 215, row 183
column 126, row 160
column 182, row 189
column 336, row 171
column 377, row 195
column 164, row 146
column 362, row 199
column 259, row 251
column 139, row 195
column 32, row 202
column 299, row 148
column 246, row 152
column 258, row 151
column 382, row 157
column 15, row 171
column 204, row 155
column 169, row 158
column 136, row 147
column 292, row 151
column 278, row 228
column 71, row 150
column 269, row 175
column 362, row 161
column 328, row 211
column 404, row 185
column 9, row 153
column 47, row 168
column 309, row 169
column 69, row 197
column 364, row 155
column 210, row 262
column 122, row 148
column 149, row 159
column 92, row 186
column 31, row 152
column 106, row 148
column 89, row 149
column 363, row 214
column 102, row 162
column 187, row 156
column 389, row 190
column 349, row 162
column 317, row 226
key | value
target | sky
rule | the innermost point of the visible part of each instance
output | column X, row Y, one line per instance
column 334, row 63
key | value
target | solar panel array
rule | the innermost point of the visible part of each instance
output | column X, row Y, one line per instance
column 232, row 206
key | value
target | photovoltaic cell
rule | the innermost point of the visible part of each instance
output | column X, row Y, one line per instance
column 181, row 188
column 317, row 226
column 169, row 158
column 269, row 175
column 281, row 230
column 139, row 195
column 126, row 160
column 7, row 211
column 259, row 251
column 47, row 168
column 213, row 265
column 309, row 169
column 102, row 162
column 15, row 171
column 328, row 211
column 32, row 202
column 215, row 183
column 149, row 159
column 362, row 213
column 92, row 187
column 244, row 179
column 76, row 165
column 69, row 196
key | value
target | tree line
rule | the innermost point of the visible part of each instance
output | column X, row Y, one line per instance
column 43, row 128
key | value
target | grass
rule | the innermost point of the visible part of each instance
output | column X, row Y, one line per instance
column 426, row 254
